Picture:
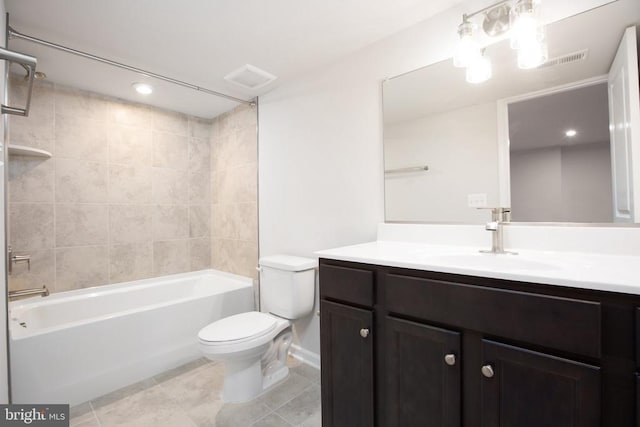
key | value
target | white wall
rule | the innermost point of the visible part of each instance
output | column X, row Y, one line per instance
column 320, row 144
column 460, row 149
column 4, row 369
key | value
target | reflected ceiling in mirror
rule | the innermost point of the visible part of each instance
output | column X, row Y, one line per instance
column 434, row 119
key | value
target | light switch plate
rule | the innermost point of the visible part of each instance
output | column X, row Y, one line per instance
column 477, row 200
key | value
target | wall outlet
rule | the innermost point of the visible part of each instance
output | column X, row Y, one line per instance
column 477, row 200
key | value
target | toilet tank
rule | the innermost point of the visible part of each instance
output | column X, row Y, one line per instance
column 287, row 285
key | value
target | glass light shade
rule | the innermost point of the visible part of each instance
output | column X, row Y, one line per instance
column 525, row 24
column 532, row 55
column 479, row 70
column 467, row 51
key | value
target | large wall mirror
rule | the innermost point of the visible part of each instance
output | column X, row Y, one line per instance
column 552, row 142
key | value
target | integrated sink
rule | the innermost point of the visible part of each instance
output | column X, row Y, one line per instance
column 482, row 261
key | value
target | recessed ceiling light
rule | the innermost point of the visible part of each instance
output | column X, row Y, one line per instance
column 571, row 133
column 142, row 88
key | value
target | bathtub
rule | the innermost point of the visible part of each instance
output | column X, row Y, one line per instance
column 74, row 346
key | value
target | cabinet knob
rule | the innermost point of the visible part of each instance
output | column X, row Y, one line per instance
column 364, row 332
column 450, row 359
column 487, row 371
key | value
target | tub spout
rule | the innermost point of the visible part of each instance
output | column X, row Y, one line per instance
column 44, row 292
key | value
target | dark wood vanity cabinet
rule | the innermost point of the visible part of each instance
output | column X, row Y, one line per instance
column 445, row 350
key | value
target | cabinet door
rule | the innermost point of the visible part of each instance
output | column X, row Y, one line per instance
column 522, row 388
column 346, row 341
column 423, row 375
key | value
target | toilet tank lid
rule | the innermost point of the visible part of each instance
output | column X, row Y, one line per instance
column 288, row 262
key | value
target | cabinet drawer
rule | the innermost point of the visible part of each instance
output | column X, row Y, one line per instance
column 559, row 323
column 346, row 284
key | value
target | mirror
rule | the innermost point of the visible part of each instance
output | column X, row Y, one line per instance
column 451, row 146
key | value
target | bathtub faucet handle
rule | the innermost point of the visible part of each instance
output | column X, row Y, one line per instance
column 22, row 258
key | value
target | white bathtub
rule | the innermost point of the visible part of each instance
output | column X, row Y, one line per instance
column 74, row 346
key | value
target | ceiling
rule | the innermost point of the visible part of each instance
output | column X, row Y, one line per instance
column 542, row 122
column 441, row 87
column 201, row 41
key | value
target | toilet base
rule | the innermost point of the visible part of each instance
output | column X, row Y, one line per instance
column 248, row 378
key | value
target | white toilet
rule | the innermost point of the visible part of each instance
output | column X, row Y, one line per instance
column 254, row 345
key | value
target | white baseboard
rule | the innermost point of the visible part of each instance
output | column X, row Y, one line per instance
column 305, row 356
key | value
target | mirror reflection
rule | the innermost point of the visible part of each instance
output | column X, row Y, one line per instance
column 536, row 140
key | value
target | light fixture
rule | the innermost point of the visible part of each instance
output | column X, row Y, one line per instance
column 468, row 49
column 142, row 88
column 479, row 70
column 520, row 18
column 571, row 133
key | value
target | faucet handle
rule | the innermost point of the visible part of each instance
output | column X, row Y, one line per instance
column 491, row 226
column 22, row 258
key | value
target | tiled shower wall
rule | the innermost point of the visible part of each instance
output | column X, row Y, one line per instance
column 234, row 183
column 126, row 195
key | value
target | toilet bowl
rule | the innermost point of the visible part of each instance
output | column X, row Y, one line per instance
column 254, row 348
column 254, row 345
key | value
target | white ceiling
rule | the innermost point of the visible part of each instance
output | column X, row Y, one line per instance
column 200, row 41
column 542, row 122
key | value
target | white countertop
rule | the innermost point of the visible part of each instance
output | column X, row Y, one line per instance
column 612, row 273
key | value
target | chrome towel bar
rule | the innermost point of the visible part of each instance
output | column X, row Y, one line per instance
column 407, row 170
column 29, row 64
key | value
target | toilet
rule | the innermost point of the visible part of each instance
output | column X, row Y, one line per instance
column 254, row 345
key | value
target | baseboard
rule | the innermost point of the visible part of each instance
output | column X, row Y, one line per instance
column 305, row 356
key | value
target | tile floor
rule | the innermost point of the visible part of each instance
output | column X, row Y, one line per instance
column 189, row 396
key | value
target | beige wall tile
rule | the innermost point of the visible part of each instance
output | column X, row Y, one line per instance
column 199, row 128
column 235, row 257
column 170, row 222
column 31, row 179
column 169, row 186
column 81, row 225
column 81, row 181
column 199, row 154
column 200, row 254
column 81, row 138
column 38, row 129
column 132, row 261
column 170, row 150
column 247, row 219
column 237, row 185
column 223, row 224
column 247, row 146
column 168, row 121
column 81, row 267
column 31, row 226
column 77, row 103
column 42, row 271
column 199, row 187
column 130, row 184
column 170, row 257
column 199, row 221
column 130, row 224
column 130, row 145
column 124, row 113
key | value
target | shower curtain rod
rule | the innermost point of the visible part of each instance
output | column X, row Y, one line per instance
column 14, row 34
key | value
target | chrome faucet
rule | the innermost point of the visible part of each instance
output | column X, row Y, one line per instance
column 43, row 292
column 499, row 216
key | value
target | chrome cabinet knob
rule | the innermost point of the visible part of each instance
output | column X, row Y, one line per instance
column 364, row 332
column 450, row 359
column 487, row 371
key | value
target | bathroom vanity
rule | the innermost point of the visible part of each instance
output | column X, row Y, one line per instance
column 414, row 347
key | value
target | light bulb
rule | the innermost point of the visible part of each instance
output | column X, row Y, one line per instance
column 479, row 70
column 467, row 50
column 143, row 88
column 532, row 54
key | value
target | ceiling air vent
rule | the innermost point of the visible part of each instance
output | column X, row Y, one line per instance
column 566, row 59
column 250, row 77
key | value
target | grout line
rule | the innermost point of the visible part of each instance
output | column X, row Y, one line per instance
column 95, row 414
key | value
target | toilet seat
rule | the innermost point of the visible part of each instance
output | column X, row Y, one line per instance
column 240, row 332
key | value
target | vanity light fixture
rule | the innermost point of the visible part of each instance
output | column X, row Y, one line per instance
column 142, row 88
column 571, row 133
column 518, row 17
column 479, row 70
